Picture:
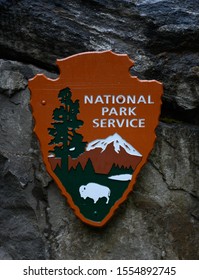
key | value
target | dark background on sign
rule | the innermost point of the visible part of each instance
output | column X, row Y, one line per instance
column 160, row 219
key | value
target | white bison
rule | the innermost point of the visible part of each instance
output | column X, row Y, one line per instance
column 94, row 191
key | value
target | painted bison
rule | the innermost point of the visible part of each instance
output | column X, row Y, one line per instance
column 95, row 192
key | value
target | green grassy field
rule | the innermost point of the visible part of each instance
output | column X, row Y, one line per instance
column 78, row 177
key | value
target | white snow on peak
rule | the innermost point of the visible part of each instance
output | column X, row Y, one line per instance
column 117, row 141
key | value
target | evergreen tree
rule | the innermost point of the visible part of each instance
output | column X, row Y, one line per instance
column 67, row 142
column 89, row 169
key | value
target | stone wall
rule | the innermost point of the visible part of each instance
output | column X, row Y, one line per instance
column 160, row 219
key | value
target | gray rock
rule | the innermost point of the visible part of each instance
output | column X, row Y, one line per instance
column 182, row 173
column 19, row 232
column 4, row 254
column 179, row 73
column 11, row 82
column 160, row 218
column 22, row 199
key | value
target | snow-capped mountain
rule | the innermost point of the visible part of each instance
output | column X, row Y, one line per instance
column 117, row 142
column 106, row 153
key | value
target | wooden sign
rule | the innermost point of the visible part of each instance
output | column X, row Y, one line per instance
column 96, row 126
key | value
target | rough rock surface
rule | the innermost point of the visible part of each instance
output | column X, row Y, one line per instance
column 160, row 219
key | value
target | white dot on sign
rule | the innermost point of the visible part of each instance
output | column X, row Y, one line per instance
column 43, row 102
column 95, row 212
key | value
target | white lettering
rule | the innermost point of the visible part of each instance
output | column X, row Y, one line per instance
column 142, row 123
column 95, row 123
column 120, row 124
column 104, row 110
column 113, row 111
column 111, row 122
column 99, row 99
column 149, row 100
column 131, row 99
column 89, row 99
column 141, row 99
column 123, row 111
column 131, row 111
column 107, row 98
column 103, row 123
column 118, row 99
column 134, row 123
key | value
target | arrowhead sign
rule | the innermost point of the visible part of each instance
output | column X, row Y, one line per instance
column 96, row 126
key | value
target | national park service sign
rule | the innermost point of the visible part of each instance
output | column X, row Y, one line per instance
column 96, row 126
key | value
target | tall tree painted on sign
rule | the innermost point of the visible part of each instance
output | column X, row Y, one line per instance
column 66, row 141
